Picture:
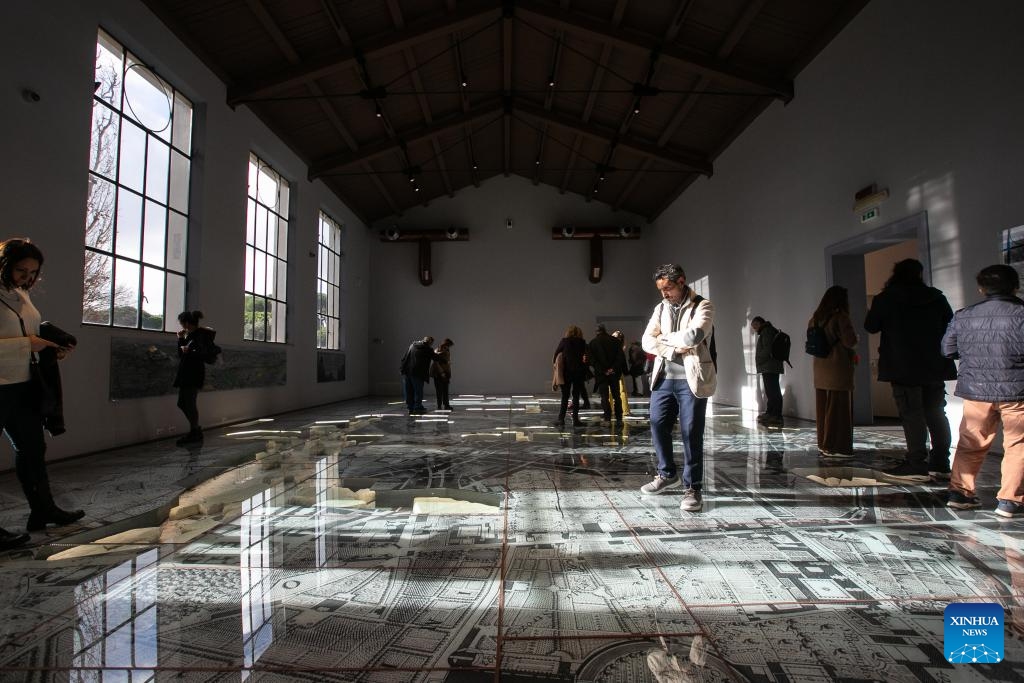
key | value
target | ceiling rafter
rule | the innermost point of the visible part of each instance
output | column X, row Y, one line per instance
column 689, row 160
column 729, row 43
column 597, row 30
column 333, row 162
column 346, row 40
column 506, row 71
column 549, row 99
column 414, row 74
column 469, row 13
column 283, row 44
column 464, row 102
column 595, row 84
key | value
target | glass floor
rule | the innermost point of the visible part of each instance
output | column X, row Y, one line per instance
column 355, row 543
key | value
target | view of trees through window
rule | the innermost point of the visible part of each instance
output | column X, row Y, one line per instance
column 266, row 254
column 328, row 285
column 136, row 231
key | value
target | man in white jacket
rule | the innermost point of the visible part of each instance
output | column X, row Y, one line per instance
column 683, row 378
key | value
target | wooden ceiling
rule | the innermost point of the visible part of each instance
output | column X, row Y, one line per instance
column 394, row 103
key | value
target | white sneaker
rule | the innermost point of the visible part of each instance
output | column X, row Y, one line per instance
column 660, row 485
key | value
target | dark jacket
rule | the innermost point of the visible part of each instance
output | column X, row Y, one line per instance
column 192, row 350
column 912, row 319
column 637, row 359
column 572, row 350
column 606, row 354
column 763, row 360
column 988, row 338
column 49, row 368
column 417, row 359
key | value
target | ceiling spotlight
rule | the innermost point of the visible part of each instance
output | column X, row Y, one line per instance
column 626, row 230
column 636, row 110
column 377, row 110
column 392, row 233
column 452, row 233
column 416, row 189
column 465, row 83
column 475, row 167
column 537, row 163
column 568, row 231
column 551, row 83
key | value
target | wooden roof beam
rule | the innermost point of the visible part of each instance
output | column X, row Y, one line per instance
column 339, row 160
column 593, row 29
column 471, row 13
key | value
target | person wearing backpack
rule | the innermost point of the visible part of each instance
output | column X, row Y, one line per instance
column 680, row 334
column 196, row 348
column 769, row 368
column 912, row 318
column 833, row 374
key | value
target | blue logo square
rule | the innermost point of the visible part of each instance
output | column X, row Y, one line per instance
column 973, row 632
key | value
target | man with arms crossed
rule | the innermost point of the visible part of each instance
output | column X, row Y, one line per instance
column 681, row 382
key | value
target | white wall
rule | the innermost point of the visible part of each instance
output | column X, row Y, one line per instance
column 921, row 98
column 506, row 296
column 50, row 47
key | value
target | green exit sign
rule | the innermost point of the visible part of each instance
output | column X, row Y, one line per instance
column 869, row 215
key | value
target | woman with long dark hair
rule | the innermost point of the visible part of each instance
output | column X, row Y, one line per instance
column 833, row 374
column 21, row 417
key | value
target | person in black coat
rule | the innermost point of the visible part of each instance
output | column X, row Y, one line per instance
column 415, row 368
column 195, row 346
column 769, row 368
column 912, row 318
column 573, row 350
column 609, row 361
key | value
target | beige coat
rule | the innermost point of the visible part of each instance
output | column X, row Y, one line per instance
column 557, row 373
column 659, row 340
column 835, row 372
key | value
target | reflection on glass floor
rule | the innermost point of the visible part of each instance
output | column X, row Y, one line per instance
column 303, row 549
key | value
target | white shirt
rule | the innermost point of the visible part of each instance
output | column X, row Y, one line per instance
column 15, row 348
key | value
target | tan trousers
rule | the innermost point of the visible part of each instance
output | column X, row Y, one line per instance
column 977, row 431
column 624, row 395
column 834, row 413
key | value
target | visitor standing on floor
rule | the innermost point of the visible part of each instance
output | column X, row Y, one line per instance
column 988, row 340
column 21, row 410
column 609, row 362
column 912, row 318
column 636, row 358
column 623, row 394
column 570, row 374
column 415, row 368
column 441, row 371
column 833, row 373
column 770, row 369
column 196, row 348
column 683, row 378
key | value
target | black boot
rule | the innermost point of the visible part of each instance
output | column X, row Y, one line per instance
column 9, row 541
column 194, row 436
column 43, row 508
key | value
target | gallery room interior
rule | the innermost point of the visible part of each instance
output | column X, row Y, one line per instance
column 328, row 181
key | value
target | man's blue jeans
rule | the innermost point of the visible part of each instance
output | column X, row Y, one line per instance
column 412, row 392
column 670, row 397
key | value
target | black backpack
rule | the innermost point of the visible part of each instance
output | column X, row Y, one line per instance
column 781, row 346
column 817, row 343
column 711, row 341
column 210, row 354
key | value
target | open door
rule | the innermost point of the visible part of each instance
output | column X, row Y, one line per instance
column 848, row 264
